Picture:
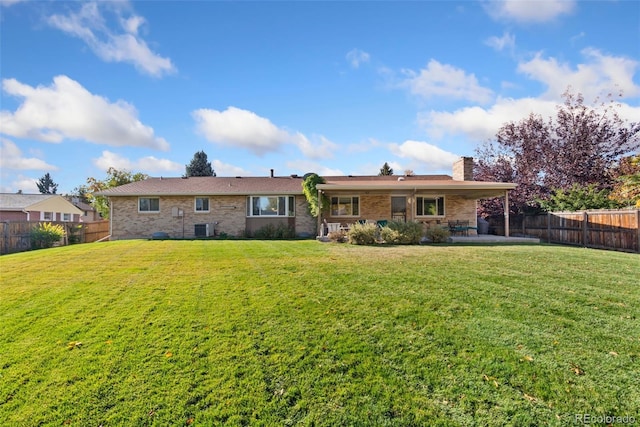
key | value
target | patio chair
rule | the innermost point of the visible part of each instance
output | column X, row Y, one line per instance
column 333, row 226
column 381, row 223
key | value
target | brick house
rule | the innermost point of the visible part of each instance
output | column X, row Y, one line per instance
column 236, row 206
column 434, row 200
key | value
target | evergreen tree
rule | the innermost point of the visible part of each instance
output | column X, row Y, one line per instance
column 199, row 166
column 385, row 170
column 46, row 185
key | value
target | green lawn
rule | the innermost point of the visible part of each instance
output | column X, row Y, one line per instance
column 304, row 333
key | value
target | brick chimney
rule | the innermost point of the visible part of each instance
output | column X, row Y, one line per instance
column 463, row 169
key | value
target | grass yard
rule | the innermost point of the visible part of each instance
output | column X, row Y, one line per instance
column 302, row 333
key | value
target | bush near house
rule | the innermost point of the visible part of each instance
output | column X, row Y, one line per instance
column 270, row 231
column 363, row 234
column 401, row 233
column 45, row 235
column 438, row 234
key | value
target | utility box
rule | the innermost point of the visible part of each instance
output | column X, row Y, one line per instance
column 203, row 230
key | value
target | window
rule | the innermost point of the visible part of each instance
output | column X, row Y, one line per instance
column 429, row 206
column 345, row 206
column 66, row 217
column 202, row 204
column 271, row 206
column 148, row 204
column 47, row 216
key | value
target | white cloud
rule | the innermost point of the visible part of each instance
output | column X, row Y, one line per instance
column 11, row 158
column 66, row 110
column 236, row 127
column 356, row 57
column 149, row 164
column 27, row 184
column 426, row 155
column 8, row 3
column 226, row 169
column 240, row 128
column 319, row 148
column 597, row 76
column 507, row 41
column 442, row 80
column 302, row 167
column 529, row 11
column 113, row 45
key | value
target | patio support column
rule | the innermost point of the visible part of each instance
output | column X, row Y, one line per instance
column 506, row 213
column 319, row 227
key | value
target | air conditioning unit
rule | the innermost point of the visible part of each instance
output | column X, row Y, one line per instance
column 203, row 230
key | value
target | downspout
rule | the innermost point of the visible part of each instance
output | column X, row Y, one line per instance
column 110, row 217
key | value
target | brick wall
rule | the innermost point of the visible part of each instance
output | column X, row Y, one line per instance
column 228, row 211
column 378, row 206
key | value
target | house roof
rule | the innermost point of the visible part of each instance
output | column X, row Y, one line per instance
column 208, row 186
column 36, row 202
column 417, row 183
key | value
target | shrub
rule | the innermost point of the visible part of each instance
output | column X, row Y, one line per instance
column 363, row 234
column 339, row 236
column 271, row 231
column 45, row 234
column 438, row 234
column 402, row 233
column 74, row 234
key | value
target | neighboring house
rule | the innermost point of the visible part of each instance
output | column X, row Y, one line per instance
column 201, row 206
column 89, row 213
column 37, row 207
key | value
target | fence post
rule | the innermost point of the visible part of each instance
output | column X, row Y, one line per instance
column 585, row 229
column 548, row 227
column 638, row 230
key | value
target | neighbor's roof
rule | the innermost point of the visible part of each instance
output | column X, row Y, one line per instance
column 208, row 186
column 36, row 202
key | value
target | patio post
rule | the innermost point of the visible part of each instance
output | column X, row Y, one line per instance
column 319, row 226
column 506, row 213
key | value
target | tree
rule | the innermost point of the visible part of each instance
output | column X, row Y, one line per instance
column 199, row 166
column 311, row 193
column 626, row 190
column 581, row 145
column 385, row 170
column 114, row 178
column 579, row 198
column 46, row 185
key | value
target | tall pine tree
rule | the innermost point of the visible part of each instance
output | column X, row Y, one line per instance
column 46, row 185
column 199, row 166
column 385, row 170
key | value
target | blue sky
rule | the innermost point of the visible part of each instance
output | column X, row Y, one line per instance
column 328, row 87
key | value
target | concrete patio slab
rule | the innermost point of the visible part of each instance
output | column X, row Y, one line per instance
column 489, row 238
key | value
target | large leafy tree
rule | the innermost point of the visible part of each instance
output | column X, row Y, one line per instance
column 626, row 190
column 385, row 170
column 114, row 178
column 46, row 185
column 199, row 166
column 310, row 191
column 581, row 146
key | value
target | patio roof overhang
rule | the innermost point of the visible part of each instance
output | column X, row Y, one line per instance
column 468, row 189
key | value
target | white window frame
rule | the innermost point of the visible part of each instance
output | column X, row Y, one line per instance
column 195, row 205
column 336, row 212
column 441, row 205
column 149, row 202
column 43, row 216
column 285, row 206
column 66, row 217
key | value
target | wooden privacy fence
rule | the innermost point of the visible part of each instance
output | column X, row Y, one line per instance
column 16, row 236
column 618, row 230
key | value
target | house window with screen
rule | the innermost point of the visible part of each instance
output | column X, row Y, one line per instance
column 66, row 217
column 429, row 206
column 47, row 216
column 148, row 204
column 202, row 204
column 271, row 206
column 345, row 206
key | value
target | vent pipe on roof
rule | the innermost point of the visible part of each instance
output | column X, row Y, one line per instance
column 271, row 173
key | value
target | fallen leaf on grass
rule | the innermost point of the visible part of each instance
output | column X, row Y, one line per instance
column 530, row 398
column 168, row 354
column 577, row 369
column 74, row 344
column 613, row 353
